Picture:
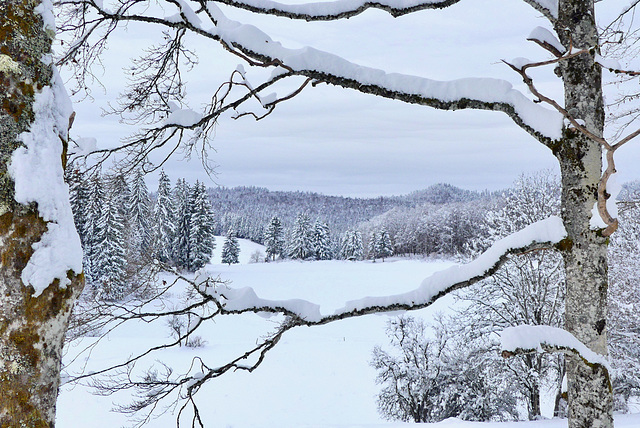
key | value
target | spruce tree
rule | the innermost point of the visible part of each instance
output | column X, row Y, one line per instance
column 91, row 232
column 274, row 239
column 79, row 199
column 352, row 247
column 230, row 249
column 139, row 214
column 321, row 241
column 201, row 236
column 181, row 241
column 373, row 245
column 164, row 228
column 109, row 258
column 300, row 246
column 383, row 245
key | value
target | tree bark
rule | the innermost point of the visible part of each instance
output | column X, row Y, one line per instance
column 32, row 327
column 590, row 397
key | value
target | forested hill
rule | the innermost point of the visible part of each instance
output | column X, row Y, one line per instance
column 248, row 209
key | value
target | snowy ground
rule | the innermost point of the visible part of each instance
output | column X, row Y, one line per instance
column 315, row 377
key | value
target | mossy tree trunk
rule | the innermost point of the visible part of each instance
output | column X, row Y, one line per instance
column 32, row 327
column 585, row 256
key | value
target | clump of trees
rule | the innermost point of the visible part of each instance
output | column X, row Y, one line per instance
column 428, row 378
column 529, row 289
column 114, row 216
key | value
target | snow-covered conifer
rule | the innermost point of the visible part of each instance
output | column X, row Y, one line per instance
column 274, row 239
column 321, row 241
column 201, row 221
column 139, row 212
column 91, row 232
column 383, row 246
column 181, row 241
column 79, row 199
column 163, row 221
column 109, row 259
column 300, row 245
column 230, row 249
column 352, row 247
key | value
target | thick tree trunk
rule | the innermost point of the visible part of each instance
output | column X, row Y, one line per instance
column 32, row 327
column 585, row 250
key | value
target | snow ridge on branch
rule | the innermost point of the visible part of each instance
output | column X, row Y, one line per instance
column 525, row 339
column 328, row 11
column 475, row 93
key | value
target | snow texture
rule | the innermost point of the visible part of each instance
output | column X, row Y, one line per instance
column 596, row 222
column 38, row 175
column 608, row 63
column 316, row 9
column 528, row 337
column 83, row 146
column 45, row 9
column 546, row 122
column 182, row 117
column 546, row 36
column 613, row 189
column 244, row 298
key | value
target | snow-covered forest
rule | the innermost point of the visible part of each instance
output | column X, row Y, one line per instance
column 437, row 366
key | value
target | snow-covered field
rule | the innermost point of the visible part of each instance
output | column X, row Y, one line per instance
column 315, row 377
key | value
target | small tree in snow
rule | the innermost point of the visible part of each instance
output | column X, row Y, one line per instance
column 274, row 239
column 230, row 249
column 380, row 245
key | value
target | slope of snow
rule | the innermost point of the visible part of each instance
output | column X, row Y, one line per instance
column 246, row 249
column 315, row 377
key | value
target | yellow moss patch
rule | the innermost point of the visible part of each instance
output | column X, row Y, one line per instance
column 8, row 65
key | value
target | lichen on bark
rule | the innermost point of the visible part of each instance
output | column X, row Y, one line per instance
column 31, row 327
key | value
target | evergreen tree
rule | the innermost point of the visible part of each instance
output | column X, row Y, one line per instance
column 230, row 249
column 321, row 241
column 201, row 237
column 79, row 199
column 300, row 246
column 274, row 239
column 94, row 212
column 139, row 214
column 109, row 259
column 373, row 244
column 181, row 241
column 163, row 221
column 383, row 246
column 352, row 246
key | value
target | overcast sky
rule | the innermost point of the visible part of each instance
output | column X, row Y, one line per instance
column 337, row 141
